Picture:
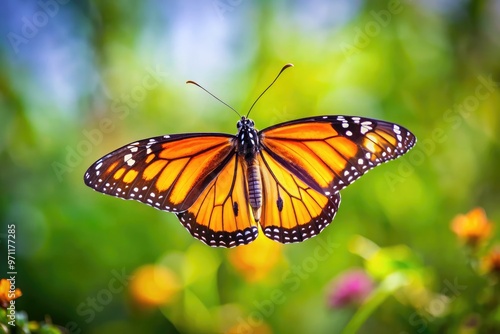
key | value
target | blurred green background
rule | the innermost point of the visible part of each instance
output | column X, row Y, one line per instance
column 81, row 78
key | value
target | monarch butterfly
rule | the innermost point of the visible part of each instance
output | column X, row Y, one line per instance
column 286, row 178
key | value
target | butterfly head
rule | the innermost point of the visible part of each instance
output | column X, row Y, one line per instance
column 247, row 138
column 245, row 123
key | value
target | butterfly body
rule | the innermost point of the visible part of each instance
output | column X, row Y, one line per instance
column 248, row 146
column 285, row 178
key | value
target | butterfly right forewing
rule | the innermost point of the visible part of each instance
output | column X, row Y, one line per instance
column 330, row 152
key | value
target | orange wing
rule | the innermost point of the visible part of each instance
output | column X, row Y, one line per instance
column 196, row 176
column 168, row 172
column 221, row 215
column 292, row 211
column 306, row 162
column 330, row 152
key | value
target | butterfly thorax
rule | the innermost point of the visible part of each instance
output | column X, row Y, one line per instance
column 248, row 146
column 248, row 143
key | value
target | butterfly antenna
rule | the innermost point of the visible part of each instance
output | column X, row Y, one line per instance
column 224, row 103
column 265, row 90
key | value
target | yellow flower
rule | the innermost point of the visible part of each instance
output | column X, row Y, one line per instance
column 260, row 328
column 472, row 227
column 491, row 262
column 6, row 295
column 154, row 285
column 255, row 260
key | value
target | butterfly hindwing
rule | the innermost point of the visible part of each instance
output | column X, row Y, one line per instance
column 330, row 152
column 221, row 215
column 167, row 172
column 292, row 211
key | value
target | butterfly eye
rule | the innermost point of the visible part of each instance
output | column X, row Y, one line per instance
column 238, row 125
column 252, row 124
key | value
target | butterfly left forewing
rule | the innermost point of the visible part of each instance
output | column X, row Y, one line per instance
column 167, row 172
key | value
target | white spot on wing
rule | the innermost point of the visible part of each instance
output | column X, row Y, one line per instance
column 133, row 149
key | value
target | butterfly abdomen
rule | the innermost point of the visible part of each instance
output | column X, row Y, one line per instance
column 254, row 189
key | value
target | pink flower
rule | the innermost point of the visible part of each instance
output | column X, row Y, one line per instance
column 351, row 287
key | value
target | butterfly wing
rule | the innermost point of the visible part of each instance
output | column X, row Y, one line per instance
column 168, row 172
column 308, row 161
column 196, row 176
column 221, row 216
column 330, row 152
column 292, row 211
